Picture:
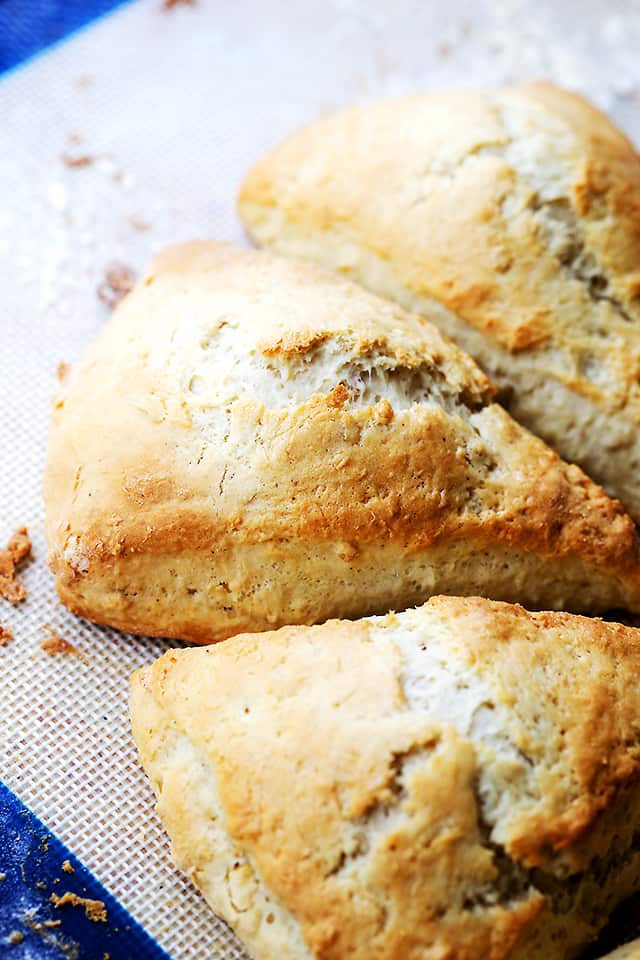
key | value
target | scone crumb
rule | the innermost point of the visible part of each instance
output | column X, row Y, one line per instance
column 118, row 281
column 15, row 937
column 62, row 371
column 338, row 396
column 66, row 866
column 138, row 224
column 52, row 923
column 95, row 910
column 5, row 636
column 17, row 551
column 82, row 160
column 170, row 4
column 54, row 643
column 383, row 413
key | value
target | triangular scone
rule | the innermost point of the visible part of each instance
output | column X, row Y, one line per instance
column 252, row 442
column 518, row 209
column 459, row 780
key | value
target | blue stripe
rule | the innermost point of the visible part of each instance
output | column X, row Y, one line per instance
column 32, row 876
column 29, row 26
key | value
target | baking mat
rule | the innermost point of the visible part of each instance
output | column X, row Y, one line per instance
column 133, row 133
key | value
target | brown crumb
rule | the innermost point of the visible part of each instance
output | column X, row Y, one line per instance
column 170, row 4
column 118, row 281
column 66, row 866
column 62, row 371
column 41, row 885
column 95, row 910
column 106, row 956
column 75, row 162
column 5, row 636
column 443, row 50
column 19, row 547
column 383, row 413
column 52, row 923
column 138, row 224
column 17, row 551
column 54, row 643
column 338, row 396
column 3, row 877
column 16, row 937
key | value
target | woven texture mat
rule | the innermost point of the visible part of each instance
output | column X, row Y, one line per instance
column 134, row 133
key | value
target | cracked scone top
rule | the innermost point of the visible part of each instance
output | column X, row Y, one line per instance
column 252, row 442
column 518, row 210
column 458, row 780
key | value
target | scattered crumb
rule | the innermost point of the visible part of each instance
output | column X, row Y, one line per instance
column 118, row 281
column 19, row 547
column 41, row 885
column 170, row 4
column 3, row 877
column 75, row 162
column 138, row 224
column 5, row 636
column 16, row 937
column 106, row 956
column 66, row 866
column 62, row 371
column 95, row 910
column 74, row 137
column 54, row 643
column 443, row 50
column 17, row 551
column 52, row 923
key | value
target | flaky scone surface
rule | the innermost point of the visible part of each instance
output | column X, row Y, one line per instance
column 252, row 442
column 457, row 780
column 518, row 209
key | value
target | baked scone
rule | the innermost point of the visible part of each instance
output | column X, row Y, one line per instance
column 459, row 780
column 518, row 210
column 252, row 442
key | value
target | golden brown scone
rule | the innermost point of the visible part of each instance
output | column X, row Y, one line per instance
column 252, row 442
column 459, row 781
column 518, row 210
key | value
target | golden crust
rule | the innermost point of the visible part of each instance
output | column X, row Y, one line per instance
column 238, row 406
column 516, row 208
column 377, row 813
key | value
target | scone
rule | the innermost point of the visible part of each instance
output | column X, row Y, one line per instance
column 252, row 442
column 518, row 211
column 459, row 780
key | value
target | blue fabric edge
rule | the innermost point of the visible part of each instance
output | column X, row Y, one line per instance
column 36, row 868
column 44, row 48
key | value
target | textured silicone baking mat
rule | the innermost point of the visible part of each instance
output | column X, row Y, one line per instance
column 133, row 133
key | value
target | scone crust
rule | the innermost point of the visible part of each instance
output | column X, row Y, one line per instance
column 367, row 808
column 327, row 425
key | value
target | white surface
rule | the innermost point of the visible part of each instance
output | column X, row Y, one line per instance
column 174, row 106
